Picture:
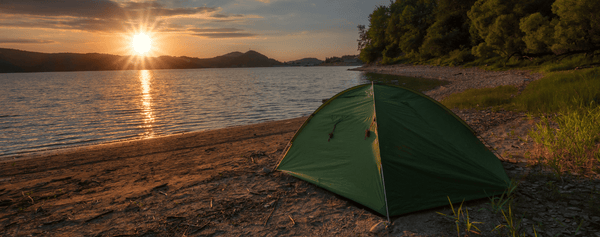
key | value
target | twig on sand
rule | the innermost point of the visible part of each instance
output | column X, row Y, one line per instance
column 198, row 228
column 99, row 215
column 293, row 222
column 270, row 214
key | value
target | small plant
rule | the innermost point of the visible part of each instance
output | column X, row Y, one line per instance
column 457, row 215
column 498, row 203
column 512, row 224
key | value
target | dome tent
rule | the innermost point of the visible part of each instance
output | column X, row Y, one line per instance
column 392, row 150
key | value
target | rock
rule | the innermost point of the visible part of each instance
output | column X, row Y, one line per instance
column 265, row 171
column 569, row 214
column 585, row 217
column 574, row 203
column 573, row 208
column 379, row 227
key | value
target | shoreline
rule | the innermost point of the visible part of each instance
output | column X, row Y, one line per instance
column 460, row 78
column 220, row 182
column 108, row 144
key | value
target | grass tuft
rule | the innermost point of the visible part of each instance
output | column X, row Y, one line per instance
column 570, row 142
column 498, row 203
column 461, row 217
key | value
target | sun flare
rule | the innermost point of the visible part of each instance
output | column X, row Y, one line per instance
column 141, row 43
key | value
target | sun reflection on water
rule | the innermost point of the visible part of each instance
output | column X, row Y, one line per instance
column 145, row 77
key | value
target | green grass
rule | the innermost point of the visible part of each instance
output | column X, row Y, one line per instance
column 567, row 103
column 481, row 98
column 560, row 90
column 556, row 91
column 570, row 142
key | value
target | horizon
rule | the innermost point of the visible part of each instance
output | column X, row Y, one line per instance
column 158, row 56
column 281, row 30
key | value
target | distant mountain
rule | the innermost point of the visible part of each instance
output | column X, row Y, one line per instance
column 12, row 60
column 304, row 62
column 233, row 54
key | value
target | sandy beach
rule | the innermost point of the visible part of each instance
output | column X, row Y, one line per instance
column 220, row 183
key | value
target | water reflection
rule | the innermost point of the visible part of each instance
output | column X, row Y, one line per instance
column 145, row 77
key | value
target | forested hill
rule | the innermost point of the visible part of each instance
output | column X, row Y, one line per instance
column 12, row 60
column 477, row 29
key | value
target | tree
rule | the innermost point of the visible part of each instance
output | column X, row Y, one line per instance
column 450, row 31
column 497, row 24
column 578, row 28
column 408, row 25
column 539, row 32
column 376, row 34
column 363, row 39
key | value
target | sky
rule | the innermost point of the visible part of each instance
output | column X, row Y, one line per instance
column 281, row 29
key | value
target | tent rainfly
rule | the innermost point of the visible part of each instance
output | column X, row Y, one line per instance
column 392, row 150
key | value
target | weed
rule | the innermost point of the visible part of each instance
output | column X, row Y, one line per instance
column 498, row 203
column 456, row 217
column 512, row 224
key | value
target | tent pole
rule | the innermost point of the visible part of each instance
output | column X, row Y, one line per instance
column 387, row 211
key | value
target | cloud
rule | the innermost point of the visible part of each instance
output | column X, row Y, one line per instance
column 225, row 35
column 264, row 1
column 219, row 15
column 80, row 24
column 215, row 30
column 73, row 8
column 102, row 9
column 26, row 41
column 97, row 15
column 221, row 33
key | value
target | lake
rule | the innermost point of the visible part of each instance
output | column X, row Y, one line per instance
column 45, row 111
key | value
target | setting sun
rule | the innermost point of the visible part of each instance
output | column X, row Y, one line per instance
column 141, row 43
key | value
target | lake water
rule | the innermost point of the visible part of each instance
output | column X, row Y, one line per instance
column 42, row 111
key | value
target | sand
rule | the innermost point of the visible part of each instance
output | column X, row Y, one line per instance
column 213, row 183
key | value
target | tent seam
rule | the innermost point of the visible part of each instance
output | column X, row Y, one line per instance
column 387, row 209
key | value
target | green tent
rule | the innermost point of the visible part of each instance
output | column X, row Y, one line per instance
column 393, row 150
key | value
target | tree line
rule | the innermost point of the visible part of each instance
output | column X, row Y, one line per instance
column 472, row 29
